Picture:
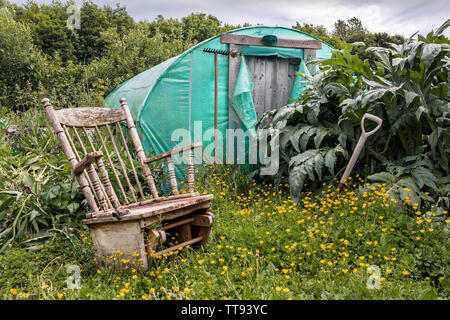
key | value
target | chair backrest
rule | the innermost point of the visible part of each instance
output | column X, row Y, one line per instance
column 86, row 131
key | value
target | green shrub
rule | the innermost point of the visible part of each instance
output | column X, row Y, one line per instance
column 408, row 88
column 37, row 195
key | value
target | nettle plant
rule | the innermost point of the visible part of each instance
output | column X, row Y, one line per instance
column 408, row 87
column 37, row 198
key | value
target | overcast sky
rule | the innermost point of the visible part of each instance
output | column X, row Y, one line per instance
column 392, row 16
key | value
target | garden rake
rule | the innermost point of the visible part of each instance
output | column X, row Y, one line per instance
column 216, row 52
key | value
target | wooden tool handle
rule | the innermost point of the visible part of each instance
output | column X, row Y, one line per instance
column 373, row 118
column 358, row 148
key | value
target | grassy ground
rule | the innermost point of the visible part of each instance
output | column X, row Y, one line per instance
column 263, row 246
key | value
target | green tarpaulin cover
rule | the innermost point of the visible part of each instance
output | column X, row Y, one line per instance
column 173, row 102
column 242, row 100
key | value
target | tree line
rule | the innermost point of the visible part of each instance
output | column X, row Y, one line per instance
column 40, row 55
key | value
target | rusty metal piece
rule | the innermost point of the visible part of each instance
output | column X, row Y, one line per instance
column 234, row 53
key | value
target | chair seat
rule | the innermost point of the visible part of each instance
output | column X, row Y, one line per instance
column 157, row 208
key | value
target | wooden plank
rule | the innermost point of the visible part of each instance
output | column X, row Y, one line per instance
column 271, row 84
column 176, row 224
column 273, row 80
column 206, row 231
column 169, row 210
column 293, row 65
column 176, row 213
column 173, row 198
column 247, row 40
column 281, row 78
column 125, row 210
column 184, row 233
column 178, row 246
column 250, row 60
column 89, row 117
column 178, row 197
column 309, row 55
column 127, row 237
column 203, row 220
column 259, row 84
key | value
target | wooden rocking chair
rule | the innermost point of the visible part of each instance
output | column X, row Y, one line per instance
column 128, row 218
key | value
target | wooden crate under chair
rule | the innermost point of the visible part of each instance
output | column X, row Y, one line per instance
column 101, row 144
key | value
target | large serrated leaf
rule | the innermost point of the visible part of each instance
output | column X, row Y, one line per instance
column 285, row 138
column 320, row 134
column 434, row 137
column 296, row 180
column 318, row 164
column 330, row 160
column 294, row 138
column 410, row 96
column 305, row 137
column 423, row 177
column 383, row 177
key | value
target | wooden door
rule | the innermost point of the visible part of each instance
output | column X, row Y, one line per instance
column 273, row 80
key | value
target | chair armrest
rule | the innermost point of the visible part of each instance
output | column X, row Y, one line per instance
column 87, row 160
column 172, row 152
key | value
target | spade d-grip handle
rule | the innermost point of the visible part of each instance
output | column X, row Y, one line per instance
column 359, row 146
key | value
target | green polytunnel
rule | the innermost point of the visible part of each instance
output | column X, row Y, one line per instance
column 173, row 103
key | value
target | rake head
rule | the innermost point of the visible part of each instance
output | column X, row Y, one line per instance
column 223, row 52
